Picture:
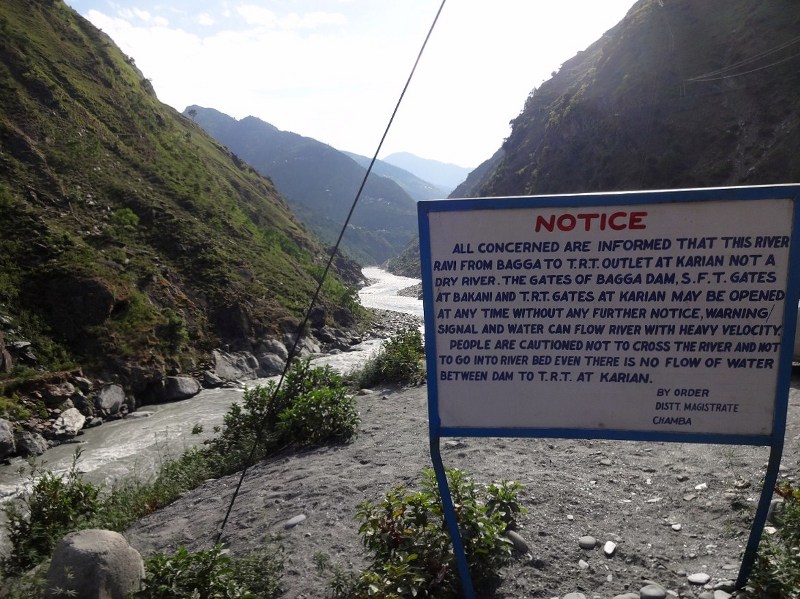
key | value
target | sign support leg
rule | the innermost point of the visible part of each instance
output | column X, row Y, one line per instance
column 450, row 519
column 760, row 518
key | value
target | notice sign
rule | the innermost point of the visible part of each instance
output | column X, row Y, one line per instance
column 639, row 312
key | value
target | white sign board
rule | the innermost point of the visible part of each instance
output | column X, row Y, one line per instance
column 653, row 317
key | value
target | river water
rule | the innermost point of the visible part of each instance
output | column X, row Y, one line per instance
column 137, row 445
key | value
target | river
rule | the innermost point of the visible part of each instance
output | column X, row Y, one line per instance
column 137, row 445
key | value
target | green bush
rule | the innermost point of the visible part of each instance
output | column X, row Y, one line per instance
column 776, row 573
column 211, row 575
column 312, row 407
column 411, row 549
column 400, row 361
column 56, row 505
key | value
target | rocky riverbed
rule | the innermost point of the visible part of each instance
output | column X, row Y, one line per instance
column 604, row 518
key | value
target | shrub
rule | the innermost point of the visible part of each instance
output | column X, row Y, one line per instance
column 777, row 569
column 200, row 575
column 56, row 505
column 411, row 549
column 311, row 407
column 399, row 361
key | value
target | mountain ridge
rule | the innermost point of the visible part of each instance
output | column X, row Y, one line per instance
column 131, row 243
column 320, row 183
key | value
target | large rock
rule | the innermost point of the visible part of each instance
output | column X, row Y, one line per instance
column 7, row 444
column 30, row 444
column 68, row 424
column 110, row 400
column 273, row 346
column 237, row 366
column 94, row 564
column 54, row 395
column 270, row 364
column 177, row 388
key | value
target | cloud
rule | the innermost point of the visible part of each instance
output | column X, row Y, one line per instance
column 205, row 19
column 257, row 16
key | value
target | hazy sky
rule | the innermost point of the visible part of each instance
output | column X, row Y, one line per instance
column 333, row 69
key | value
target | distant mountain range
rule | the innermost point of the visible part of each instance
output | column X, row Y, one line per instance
column 413, row 185
column 441, row 174
column 320, row 183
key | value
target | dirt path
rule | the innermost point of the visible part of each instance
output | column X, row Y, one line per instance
column 672, row 509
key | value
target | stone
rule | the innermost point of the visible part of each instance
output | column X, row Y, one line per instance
column 110, row 399
column 627, row 596
column 587, row 542
column 652, row 591
column 83, row 403
column 583, row 564
column 273, row 346
column 721, row 595
column 234, row 366
column 211, row 380
column 68, row 424
column 517, row 540
column 574, row 596
column 699, row 578
column 292, row 522
column 609, row 548
column 775, row 510
column 177, row 388
column 270, row 364
column 676, row 527
column 55, row 395
column 94, row 564
column 84, row 384
column 30, row 444
column 7, row 441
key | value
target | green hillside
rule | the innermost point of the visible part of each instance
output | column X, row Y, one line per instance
column 678, row 94
column 320, row 183
column 131, row 243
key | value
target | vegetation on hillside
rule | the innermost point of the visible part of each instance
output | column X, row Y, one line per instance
column 130, row 241
column 320, row 183
column 678, row 94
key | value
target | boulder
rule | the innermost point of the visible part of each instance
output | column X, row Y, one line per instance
column 68, row 424
column 84, row 384
column 273, row 346
column 84, row 404
column 94, row 564
column 237, row 366
column 211, row 380
column 177, row 388
column 54, row 395
column 7, row 444
column 30, row 444
column 110, row 400
column 270, row 364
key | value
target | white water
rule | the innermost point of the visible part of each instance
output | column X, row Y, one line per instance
column 135, row 446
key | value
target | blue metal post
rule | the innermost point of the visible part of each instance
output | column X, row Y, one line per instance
column 450, row 519
column 760, row 518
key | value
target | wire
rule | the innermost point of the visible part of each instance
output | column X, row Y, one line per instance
column 334, row 250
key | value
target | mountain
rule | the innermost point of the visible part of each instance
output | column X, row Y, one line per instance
column 441, row 174
column 320, row 184
column 417, row 188
column 131, row 243
column 679, row 94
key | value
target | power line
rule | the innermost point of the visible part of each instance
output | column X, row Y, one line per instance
column 334, row 250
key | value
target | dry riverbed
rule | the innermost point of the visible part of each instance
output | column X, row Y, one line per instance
column 671, row 510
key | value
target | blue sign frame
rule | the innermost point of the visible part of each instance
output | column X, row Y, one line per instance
column 774, row 438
